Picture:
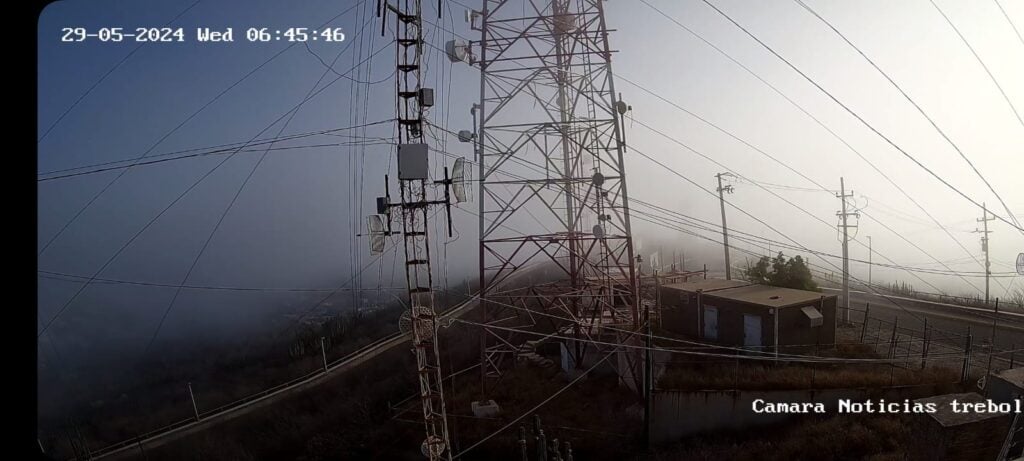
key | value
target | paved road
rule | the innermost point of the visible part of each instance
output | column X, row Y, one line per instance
column 911, row 312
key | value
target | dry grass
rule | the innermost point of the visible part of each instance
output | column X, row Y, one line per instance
column 759, row 375
column 839, row 437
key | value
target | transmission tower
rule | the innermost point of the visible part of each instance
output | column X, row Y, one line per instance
column 412, row 100
column 550, row 144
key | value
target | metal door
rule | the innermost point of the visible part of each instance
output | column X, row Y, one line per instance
column 710, row 322
column 751, row 330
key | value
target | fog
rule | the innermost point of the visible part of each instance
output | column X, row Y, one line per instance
column 294, row 224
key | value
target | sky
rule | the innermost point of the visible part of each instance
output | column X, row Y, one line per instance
column 294, row 223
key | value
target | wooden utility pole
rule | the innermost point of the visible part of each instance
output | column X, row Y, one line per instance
column 725, row 229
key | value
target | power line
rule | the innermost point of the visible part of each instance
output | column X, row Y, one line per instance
column 61, row 276
column 765, row 189
column 914, row 103
column 819, row 123
column 238, row 193
column 107, row 186
column 857, row 116
column 1008, row 21
column 978, row 58
column 107, row 74
column 167, row 158
column 64, row 307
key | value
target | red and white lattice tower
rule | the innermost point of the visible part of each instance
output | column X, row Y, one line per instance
column 550, row 148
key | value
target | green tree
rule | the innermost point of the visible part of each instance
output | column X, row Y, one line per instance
column 782, row 272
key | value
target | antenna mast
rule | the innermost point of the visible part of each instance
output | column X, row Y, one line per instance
column 412, row 100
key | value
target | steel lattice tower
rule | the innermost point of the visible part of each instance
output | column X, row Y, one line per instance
column 550, row 148
column 411, row 99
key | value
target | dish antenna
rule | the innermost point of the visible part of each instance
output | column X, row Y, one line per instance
column 456, row 183
column 459, row 180
column 1020, row 264
column 458, row 51
column 376, row 227
column 405, row 321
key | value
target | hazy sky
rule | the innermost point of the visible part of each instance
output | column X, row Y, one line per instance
column 293, row 225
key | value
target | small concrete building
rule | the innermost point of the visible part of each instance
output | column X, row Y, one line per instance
column 737, row 313
column 957, row 435
column 1005, row 386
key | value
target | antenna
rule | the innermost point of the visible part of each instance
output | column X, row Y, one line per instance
column 459, row 180
column 375, row 227
column 454, row 184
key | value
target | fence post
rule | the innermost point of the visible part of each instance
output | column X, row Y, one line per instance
column 892, row 339
column 924, row 345
column 992, row 339
column 736, row 377
column 878, row 337
column 522, row 443
column 864, row 327
column 967, row 359
column 542, row 441
column 323, row 349
column 195, row 407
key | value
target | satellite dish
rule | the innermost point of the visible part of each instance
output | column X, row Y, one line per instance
column 375, row 227
column 621, row 107
column 598, row 231
column 457, row 50
column 1020, row 264
column 432, row 447
column 466, row 136
column 459, row 180
column 405, row 321
column 598, row 179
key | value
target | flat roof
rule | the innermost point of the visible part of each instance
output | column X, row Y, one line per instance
column 769, row 296
column 945, row 415
column 1014, row 376
column 705, row 285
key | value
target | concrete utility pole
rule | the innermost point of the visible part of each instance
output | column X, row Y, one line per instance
column 725, row 229
column 870, row 253
column 984, row 244
column 845, row 302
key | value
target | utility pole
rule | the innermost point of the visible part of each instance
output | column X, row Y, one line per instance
column 984, row 244
column 648, row 371
column 725, row 230
column 870, row 253
column 846, row 246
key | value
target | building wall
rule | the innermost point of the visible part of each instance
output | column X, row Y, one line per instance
column 794, row 329
column 682, row 314
column 999, row 390
column 678, row 314
column 980, row 440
